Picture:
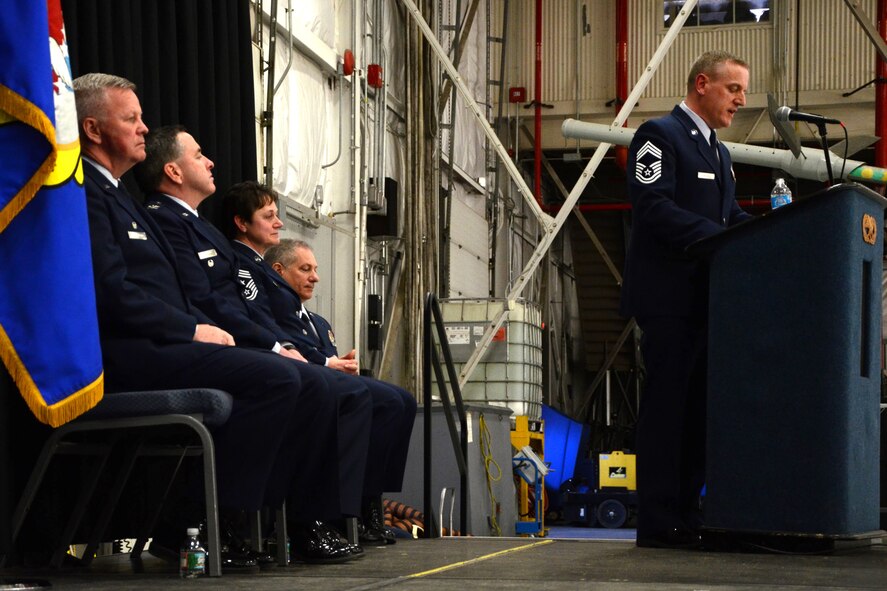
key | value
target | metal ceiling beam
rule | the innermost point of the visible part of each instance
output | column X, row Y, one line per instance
column 551, row 230
column 592, row 235
column 871, row 30
column 480, row 117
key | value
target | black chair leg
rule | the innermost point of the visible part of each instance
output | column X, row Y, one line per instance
column 283, row 558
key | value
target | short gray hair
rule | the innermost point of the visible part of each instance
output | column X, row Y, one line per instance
column 285, row 252
column 708, row 63
column 89, row 92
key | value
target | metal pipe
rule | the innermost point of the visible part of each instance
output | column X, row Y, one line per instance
column 881, row 92
column 340, row 81
column 811, row 165
column 268, row 115
column 357, row 159
column 556, row 207
column 537, row 99
column 379, row 104
column 289, row 31
column 608, row 390
column 480, row 117
column 427, row 345
column 578, row 31
column 621, row 152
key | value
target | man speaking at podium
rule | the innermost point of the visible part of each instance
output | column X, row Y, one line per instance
column 682, row 189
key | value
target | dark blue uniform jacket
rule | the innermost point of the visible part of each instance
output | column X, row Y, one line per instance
column 680, row 192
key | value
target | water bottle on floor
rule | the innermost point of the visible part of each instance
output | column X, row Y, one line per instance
column 193, row 556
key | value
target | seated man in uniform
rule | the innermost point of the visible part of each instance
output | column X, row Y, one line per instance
column 278, row 440
column 251, row 211
column 178, row 177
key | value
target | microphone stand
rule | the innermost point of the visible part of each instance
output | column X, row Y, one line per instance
column 828, row 163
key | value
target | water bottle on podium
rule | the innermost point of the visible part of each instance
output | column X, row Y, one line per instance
column 193, row 556
column 780, row 195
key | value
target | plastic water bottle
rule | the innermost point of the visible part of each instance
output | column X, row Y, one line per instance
column 780, row 195
column 193, row 556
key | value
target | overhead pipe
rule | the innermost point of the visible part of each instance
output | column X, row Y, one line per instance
column 621, row 152
column 811, row 165
column 625, row 205
column 881, row 92
column 586, row 207
column 537, row 142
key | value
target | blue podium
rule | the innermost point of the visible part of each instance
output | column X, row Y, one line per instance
column 794, row 371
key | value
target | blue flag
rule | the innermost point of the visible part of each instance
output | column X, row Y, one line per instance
column 48, row 328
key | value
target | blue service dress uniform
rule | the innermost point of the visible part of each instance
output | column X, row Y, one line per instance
column 210, row 275
column 394, row 409
column 682, row 189
column 147, row 325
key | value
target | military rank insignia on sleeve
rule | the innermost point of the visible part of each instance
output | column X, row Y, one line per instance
column 648, row 164
column 250, row 290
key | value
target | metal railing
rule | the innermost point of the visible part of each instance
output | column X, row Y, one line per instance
column 431, row 359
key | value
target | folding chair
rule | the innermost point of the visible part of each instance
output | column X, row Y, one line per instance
column 139, row 413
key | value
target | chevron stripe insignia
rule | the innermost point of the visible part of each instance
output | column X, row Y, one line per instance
column 648, row 164
column 250, row 289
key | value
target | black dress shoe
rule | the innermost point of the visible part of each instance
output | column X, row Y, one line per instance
column 313, row 543
column 335, row 538
column 373, row 523
column 369, row 537
column 262, row 557
column 674, row 539
column 236, row 560
column 166, row 550
column 234, row 553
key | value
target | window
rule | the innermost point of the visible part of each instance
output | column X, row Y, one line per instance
column 719, row 12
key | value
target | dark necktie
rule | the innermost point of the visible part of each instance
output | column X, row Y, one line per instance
column 304, row 313
column 713, row 140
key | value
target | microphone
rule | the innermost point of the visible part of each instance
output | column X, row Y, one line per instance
column 786, row 114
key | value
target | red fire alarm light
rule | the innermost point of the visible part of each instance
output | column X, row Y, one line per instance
column 348, row 63
column 374, row 76
column 517, row 94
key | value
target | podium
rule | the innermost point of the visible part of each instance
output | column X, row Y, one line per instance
column 795, row 373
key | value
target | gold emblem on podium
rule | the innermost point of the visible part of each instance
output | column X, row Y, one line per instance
column 869, row 229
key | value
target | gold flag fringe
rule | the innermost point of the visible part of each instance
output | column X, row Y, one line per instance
column 28, row 113
column 57, row 414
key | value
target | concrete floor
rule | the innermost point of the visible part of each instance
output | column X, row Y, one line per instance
column 551, row 563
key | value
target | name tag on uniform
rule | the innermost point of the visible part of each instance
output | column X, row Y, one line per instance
column 710, row 176
column 207, row 253
column 137, row 235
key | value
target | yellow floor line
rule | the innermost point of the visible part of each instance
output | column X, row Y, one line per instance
column 474, row 560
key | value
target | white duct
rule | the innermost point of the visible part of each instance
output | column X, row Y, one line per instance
column 811, row 164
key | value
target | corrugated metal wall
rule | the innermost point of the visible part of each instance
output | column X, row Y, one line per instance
column 591, row 61
column 646, row 31
column 835, row 54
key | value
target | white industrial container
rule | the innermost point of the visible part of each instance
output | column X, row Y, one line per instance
column 510, row 373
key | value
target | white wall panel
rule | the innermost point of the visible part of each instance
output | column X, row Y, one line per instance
column 590, row 60
column 752, row 43
column 332, row 297
column 835, row 55
column 468, row 253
